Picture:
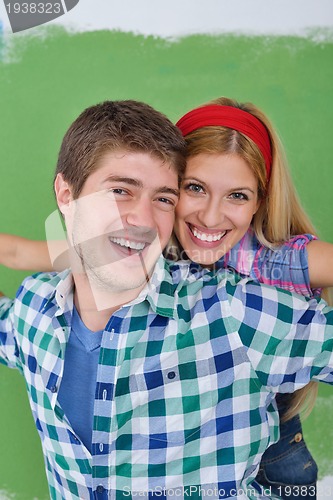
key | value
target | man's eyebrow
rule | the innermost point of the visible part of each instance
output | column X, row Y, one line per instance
column 137, row 183
column 168, row 190
column 125, row 180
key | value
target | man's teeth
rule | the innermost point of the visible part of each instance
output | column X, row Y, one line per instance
column 207, row 237
column 126, row 243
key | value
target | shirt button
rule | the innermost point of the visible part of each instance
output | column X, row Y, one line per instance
column 54, row 389
column 298, row 437
column 100, row 488
column 171, row 375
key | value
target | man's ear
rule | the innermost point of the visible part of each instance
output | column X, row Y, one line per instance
column 63, row 194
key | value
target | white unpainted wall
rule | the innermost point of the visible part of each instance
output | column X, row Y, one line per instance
column 174, row 18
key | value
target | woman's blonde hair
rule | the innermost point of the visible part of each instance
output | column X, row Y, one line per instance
column 280, row 215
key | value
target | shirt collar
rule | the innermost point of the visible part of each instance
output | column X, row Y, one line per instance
column 161, row 288
column 64, row 293
column 61, row 292
column 159, row 291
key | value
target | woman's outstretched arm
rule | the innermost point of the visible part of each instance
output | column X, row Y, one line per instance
column 24, row 254
column 320, row 255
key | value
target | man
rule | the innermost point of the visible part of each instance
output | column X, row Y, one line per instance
column 147, row 378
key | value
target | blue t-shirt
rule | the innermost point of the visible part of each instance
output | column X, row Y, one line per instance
column 77, row 390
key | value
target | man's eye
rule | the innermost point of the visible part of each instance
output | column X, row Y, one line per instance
column 166, row 204
column 117, row 191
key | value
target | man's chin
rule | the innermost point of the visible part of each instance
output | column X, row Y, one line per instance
column 111, row 292
column 118, row 277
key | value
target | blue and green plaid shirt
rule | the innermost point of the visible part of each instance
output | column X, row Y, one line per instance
column 187, row 376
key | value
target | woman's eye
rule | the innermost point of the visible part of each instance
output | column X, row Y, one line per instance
column 194, row 188
column 239, row 196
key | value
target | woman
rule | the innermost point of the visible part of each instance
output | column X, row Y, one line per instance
column 238, row 209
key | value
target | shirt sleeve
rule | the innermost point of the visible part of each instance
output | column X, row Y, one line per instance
column 8, row 344
column 288, row 338
column 285, row 266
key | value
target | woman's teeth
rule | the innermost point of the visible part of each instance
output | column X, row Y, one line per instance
column 207, row 237
column 130, row 244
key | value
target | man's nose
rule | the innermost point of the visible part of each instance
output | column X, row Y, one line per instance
column 141, row 213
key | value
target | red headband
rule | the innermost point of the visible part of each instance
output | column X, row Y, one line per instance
column 229, row 117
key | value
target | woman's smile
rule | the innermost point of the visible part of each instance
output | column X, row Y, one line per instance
column 217, row 203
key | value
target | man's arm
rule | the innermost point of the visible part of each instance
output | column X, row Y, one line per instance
column 8, row 345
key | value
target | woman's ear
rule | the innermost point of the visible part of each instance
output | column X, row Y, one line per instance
column 63, row 194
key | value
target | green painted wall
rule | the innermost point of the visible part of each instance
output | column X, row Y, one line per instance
column 46, row 81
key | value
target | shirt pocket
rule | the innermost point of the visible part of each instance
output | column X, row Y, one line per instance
column 175, row 399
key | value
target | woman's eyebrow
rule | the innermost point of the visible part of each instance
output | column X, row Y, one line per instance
column 243, row 188
column 232, row 188
column 193, row 179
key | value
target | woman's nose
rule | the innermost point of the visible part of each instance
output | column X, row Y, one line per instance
column 212, row 215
